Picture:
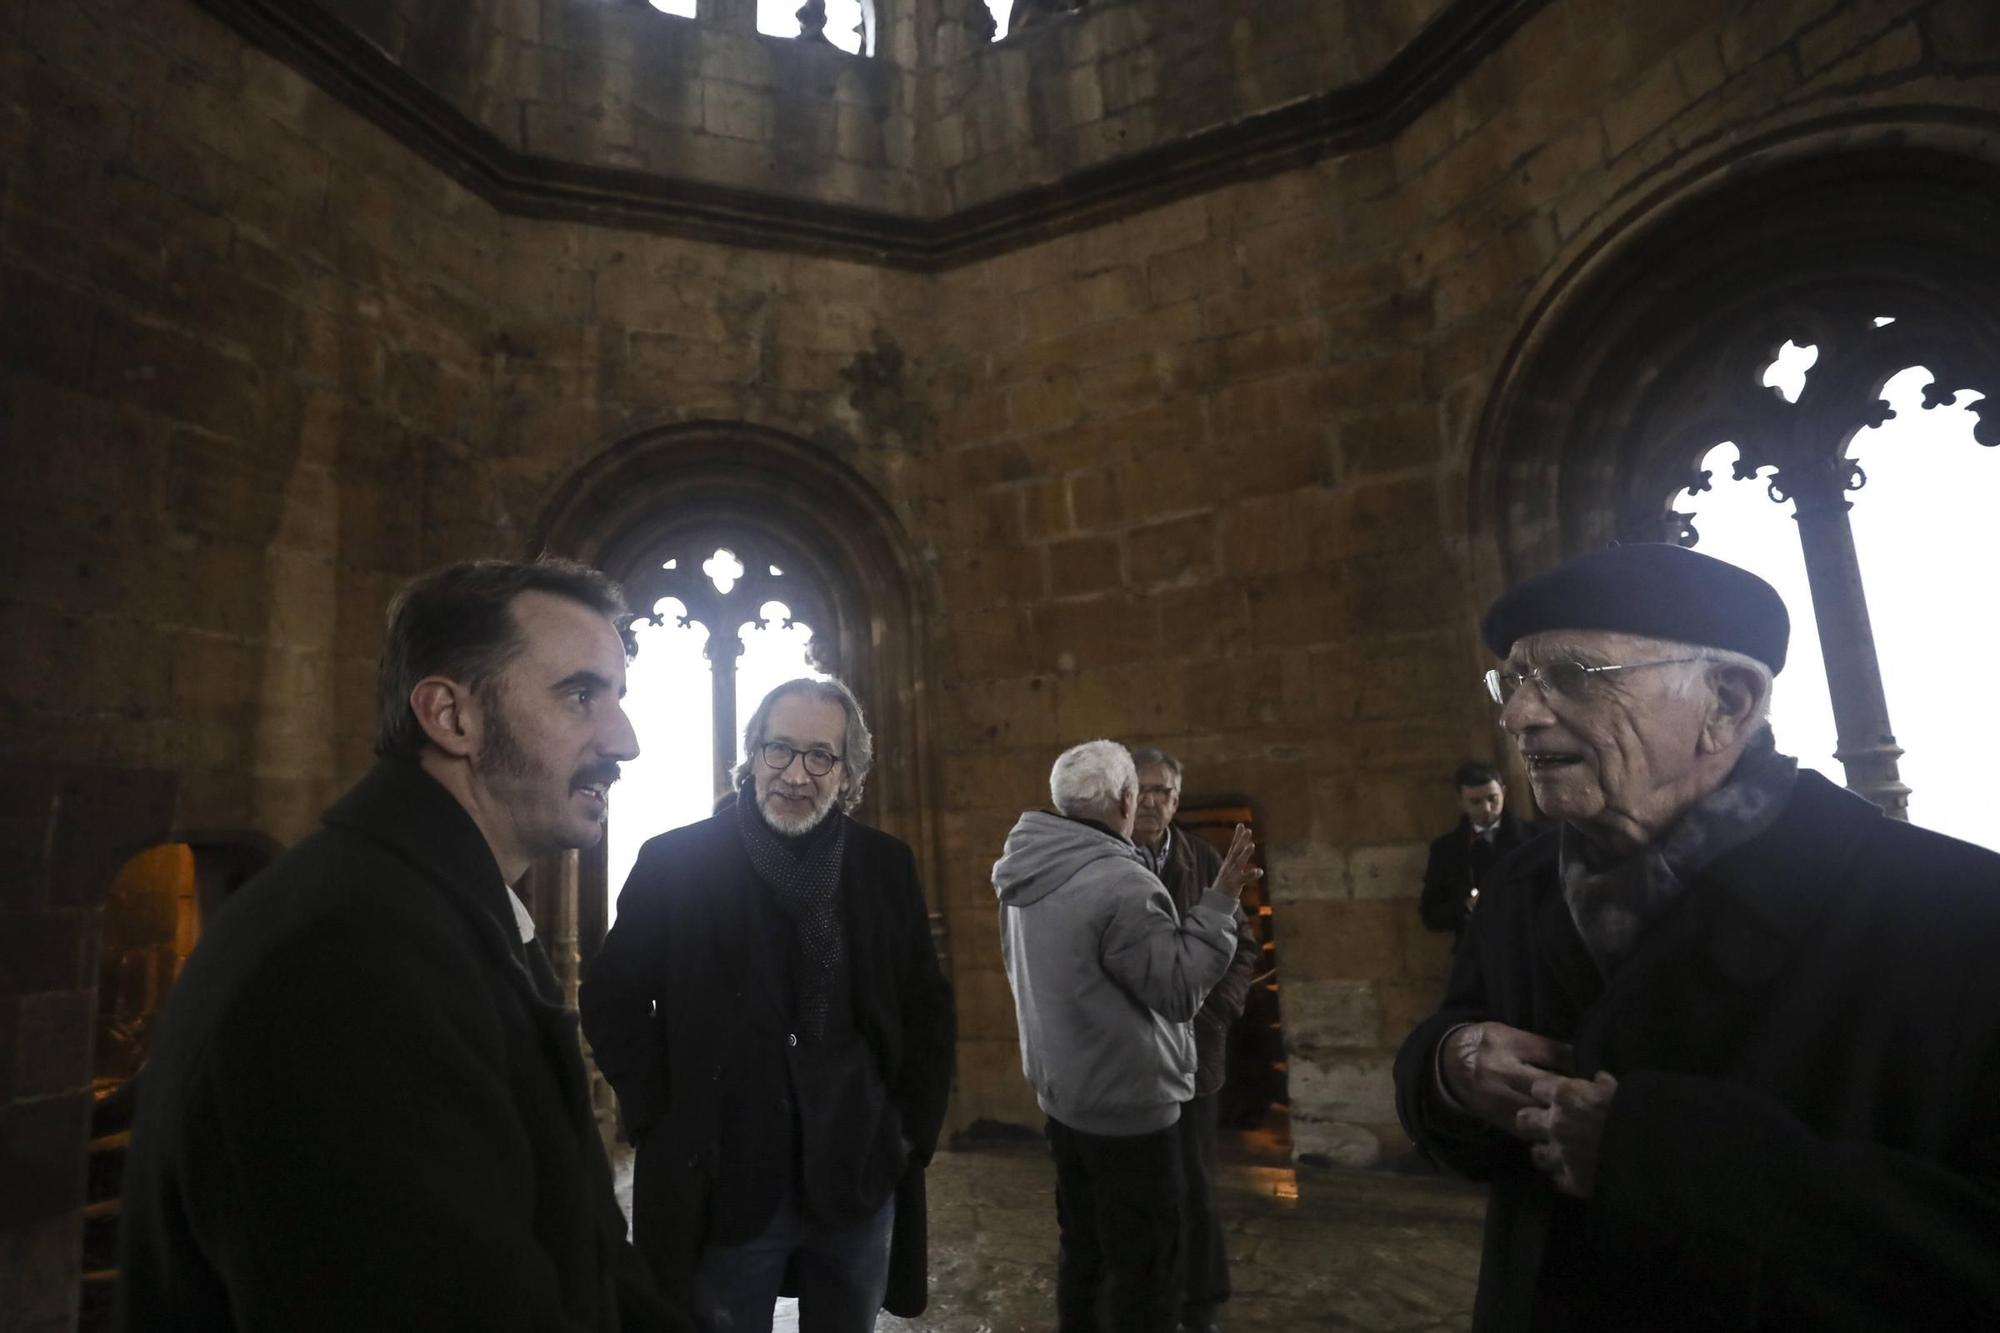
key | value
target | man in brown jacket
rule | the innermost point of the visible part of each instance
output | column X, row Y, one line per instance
column 1187, row 865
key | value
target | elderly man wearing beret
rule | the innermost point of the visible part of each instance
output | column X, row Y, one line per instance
column 1727, row 1047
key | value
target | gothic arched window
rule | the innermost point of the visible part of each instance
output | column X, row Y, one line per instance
column 1870, row 579
column 1660, row 345
column 673, row 513
column 725, row 613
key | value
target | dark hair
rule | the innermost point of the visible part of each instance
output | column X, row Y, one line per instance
column 458, row 621
column 1147, row 757
column 1475, row 773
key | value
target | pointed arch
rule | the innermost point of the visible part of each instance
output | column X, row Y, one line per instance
column 1647, row 349
column 839, row 536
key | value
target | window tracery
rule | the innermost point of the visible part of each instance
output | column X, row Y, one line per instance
column 1649, row 356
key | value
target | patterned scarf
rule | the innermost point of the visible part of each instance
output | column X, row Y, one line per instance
column 1613, row 902
column 803, row 873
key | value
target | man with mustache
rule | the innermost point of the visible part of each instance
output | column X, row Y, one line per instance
column 1726, row 1044
column 770, row 1009
column 366, row 1108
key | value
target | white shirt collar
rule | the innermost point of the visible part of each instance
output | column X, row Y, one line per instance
column 522, row 920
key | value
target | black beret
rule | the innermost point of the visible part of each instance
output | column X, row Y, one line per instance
column 1650, row 588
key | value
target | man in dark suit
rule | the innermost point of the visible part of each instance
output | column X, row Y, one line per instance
column 366, row 1108
column 770, row 1009
column 1459, row 860
column 1727, row 1043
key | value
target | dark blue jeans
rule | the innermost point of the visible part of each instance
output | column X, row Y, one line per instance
column 840, row 1272
column 1118, row 1204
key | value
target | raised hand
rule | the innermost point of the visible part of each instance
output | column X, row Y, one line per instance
column 1237, row 873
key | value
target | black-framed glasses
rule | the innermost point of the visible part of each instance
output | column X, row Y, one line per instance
column 779, row 755
column 1562, row 680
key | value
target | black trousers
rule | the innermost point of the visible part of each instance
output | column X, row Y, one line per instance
column 1207, row 1284
column 1118, row 1206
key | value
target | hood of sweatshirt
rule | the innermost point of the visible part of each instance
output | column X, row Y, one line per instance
column 1045, row 852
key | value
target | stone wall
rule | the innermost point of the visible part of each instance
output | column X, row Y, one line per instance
column 1113, row 79
column 616, row 83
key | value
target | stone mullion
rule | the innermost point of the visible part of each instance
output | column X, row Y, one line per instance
column 1867, row 743
column 724, row 647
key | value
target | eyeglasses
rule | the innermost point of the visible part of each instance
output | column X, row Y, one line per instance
column 779, row 755
column 1161, row 794
column 1562, row 680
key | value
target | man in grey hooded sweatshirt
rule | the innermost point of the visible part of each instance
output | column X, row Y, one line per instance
column 1106, row 978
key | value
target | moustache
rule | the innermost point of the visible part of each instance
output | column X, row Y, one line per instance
column 595, row 775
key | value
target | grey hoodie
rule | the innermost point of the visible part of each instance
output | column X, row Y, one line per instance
column 1105, row 976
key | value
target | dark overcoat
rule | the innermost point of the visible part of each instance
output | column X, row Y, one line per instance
column 1459, row 863
column 697, row 1055
column 365, row 1111
column 1806, row 1130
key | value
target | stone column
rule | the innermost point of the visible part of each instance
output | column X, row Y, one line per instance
column 722, row 651
column 1868, row 749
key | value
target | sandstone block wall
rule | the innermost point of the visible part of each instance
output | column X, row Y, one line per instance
column 1117, row 78
column 616, row 83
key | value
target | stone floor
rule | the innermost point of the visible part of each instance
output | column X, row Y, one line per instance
column 1309, row 1249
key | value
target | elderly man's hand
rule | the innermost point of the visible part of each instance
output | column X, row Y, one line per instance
column 1490, row 1069
column 1237, row 873
column 1565, row 1127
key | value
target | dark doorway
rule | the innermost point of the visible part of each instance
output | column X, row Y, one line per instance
column 1255, row 1105
column 153, row 915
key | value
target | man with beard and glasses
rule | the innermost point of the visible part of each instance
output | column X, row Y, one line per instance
column 366, row 1108
column 1727, row 1043
column 770, row 1009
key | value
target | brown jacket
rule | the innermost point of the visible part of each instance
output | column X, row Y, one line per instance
column 1191, row 867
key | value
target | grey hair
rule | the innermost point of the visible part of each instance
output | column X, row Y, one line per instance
column 1092, row 779
column 1148, row 756
column 1693, row 674
column 858, row 743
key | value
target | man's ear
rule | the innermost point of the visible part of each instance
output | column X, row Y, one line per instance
column 449, row 715
column 1736, row 702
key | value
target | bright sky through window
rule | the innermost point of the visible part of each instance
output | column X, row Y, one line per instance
column 669, row 695
column 1918, row 529
column 780, row 18
column 684, row 8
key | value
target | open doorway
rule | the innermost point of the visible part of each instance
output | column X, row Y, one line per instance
column 152, row 916
column 1255, row 1110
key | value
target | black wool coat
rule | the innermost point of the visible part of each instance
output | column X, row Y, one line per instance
column 1806, row 1131
column 698, row 1056
column 363, row 1109
column 1457, row 864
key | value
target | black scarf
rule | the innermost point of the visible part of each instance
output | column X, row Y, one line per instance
column 1612, row 904
column 803, row 873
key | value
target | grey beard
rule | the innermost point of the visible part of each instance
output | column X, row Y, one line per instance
column 800, row 827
